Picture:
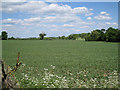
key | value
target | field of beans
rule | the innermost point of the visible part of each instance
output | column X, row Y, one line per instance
column 63, row 63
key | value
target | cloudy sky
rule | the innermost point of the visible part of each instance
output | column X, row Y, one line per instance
column 28, row 19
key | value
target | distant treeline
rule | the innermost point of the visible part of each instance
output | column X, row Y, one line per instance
column 109, row 35
column 33, row 38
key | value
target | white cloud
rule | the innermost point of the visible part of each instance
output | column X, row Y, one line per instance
column 106, row 25
column 41, row 21
column 102, row 17
column 40, row 7
column 50, row 0
column 50, row 17
column 27, row 0
column 35, row 19
column 7, row 25
column 85, row 27
column 14, row 0
column 65, row 0
column 89, row 14
column 12, row 21
column 27, row 7
column 61, row 19
column 80, row 10
column 91, row 9
column 83, row 10
column 68, row 25
column 104, row 13
column 89, row 18
column 53, row 9
column 86, row 23
column 112, row 24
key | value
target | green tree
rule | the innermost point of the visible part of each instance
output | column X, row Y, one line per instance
column 66, row 38
column 88, row 37
column 70, row 37
column 75, row 36
column 103, row 30
column 46, row 38
column 111, row 34
column 42, row 36
column 102, row 34
column 118, row 36
column 83, row 35
column 12, row 38
column 59, row 37
column 95, row 35
column 63, row 37
column 4, row 35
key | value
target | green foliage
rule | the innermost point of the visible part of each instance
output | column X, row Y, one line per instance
column 50, row 79
column 42, row 36
column 63, row 37
column 12, row 38
column 70, row 37
column 88, row 37
column 112, row 34
column 4, row 35
column 83, row 35
column 59, row 37
column 109, row 35
column 95, row 35
column 73, row 36
column 46, row 38
column 118, row 35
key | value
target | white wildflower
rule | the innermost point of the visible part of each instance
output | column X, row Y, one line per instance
column 43, row 78
column 26, row 75
column 23, row 65
column 51, row 75
column 35, row 84
column 71, row 74
column 53, row 67
column 45, row 69
column 94, row 85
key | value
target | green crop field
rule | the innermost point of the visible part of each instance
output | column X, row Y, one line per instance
column 69, row 63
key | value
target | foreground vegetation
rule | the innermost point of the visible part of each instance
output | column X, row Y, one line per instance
column 61, row 63
column 80, row 79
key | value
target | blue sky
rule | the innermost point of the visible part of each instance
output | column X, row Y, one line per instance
column 29, row 19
